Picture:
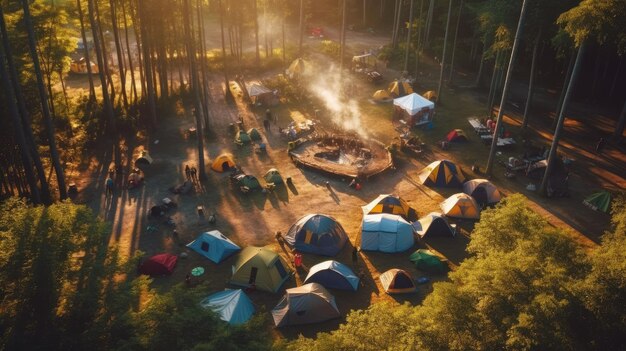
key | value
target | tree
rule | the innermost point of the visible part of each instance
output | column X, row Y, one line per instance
column 43, row 97
column 408, row 39
column 507, row 81
column 443, row 56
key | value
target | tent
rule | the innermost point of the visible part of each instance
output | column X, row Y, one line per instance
column 381, row 96
column 144, row 159
column 416, row 109
column 482, row 190
column 334, row 275
column 273, row 176
column 233, row 306
column 430, row 95
column 223, row 163
column 248, row 181
column 397, row 281
column 426, row 260
column 317, row 234
column 398, row 88
column 456, row 135
column 391, row 204
column 386, row 233
column 214, row 246
column 433, row 224
column 461, row 206
column 254, row 134
column 442, row 173
column 260, row 94
column 259, row 267
column 310, row 303
column 242, row 137
column 161, row 264
column 297, row 68
column 599, row 201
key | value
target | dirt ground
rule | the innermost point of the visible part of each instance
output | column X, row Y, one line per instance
column 254, row 218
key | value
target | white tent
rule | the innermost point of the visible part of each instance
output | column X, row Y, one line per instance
column 417, row 109
column 413, row 103
column 256, row 89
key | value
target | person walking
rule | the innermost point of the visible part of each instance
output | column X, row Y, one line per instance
column 187, row 172
column 194, row 174
column 600, row 145
column 109, row 183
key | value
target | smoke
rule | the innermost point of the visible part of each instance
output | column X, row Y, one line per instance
column 343, row 110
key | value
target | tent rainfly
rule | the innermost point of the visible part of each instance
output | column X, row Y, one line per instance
column 600, row 201
column 317, row 234
column 333, row 275
column 310, row 303
column 397, row 281
column 233, row 306
column 482, row 190
column 386, row 233
column 399, row 88
column 461, row 206
column 428, row 261
column 390, row 204
column 161, row 264
column 223, row 163
column 433, row 224
column 415, row 108
column 273, row 176
column 442, row 173
column 214, row 246
column 260, row 268
column 144, row 159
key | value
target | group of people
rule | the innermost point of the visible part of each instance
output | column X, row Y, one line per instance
column 191, row 173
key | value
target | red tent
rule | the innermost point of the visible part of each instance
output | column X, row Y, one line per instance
column 456, row 135
column 160, row 264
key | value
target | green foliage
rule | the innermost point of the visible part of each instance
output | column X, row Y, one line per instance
column 526, row 286
column 601, row 20
column 330, row 48
column 63, row 288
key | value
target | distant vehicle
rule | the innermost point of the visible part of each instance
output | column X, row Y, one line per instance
column 366, row 66
column 316, row 32
column 80, row 67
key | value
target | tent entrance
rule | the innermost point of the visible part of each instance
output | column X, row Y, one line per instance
column 281, row 270
column 480, row 194
column 225, row 166
column 402, row 282
column 205, row 246
column 253, row 273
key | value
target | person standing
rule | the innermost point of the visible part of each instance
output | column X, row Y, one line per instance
column 109, row 186
column 194, row 174
column 187, row 172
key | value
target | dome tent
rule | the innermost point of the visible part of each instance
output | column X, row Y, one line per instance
column 433, row 224
column 261, row 268
column 233, row 306
column 461, row 206
column 600, row 201
column 254, row 134
column 242, row 137
column 426, row 260
column 144, row 159
column 381, row 96
column 456, row 135
column 333, row 275
column 161, row 264
column 442, row 173
column 397, row 281
column 310, row 303
column 386, row 233
column 248, row 181
column 399, row 88
column 390, row 204
column 223, row 163
column 273, row 176
column 317, row 234
column 482, row 190
column 214, row 246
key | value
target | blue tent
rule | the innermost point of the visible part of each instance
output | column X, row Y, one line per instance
column 317, row 234
column 334, row 275
column 386, row 233
column 233, row 306
column 214, row 246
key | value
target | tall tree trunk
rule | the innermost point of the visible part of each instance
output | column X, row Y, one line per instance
column 456, row 34
column 342, row 50
column 618, row 72
column 395, row 16
column 227, row 92
column 19, row 130
column 479, row 75
column 131, row 68
column 147, row 63
column 364, row 12
column 118, row 51
column 408, row 39
column 505, row 90
column 396, row 29
column 418, row 49
column 104, row 51
column 559, row 126
column 194, row 77
column 25, row 117
column 54, row 153
column 284, row 44
column 429, row 22
column 92, row 90
column 492, row 85
column 301, row 28
column 256, row 32
column 443, row 56
column 568, row 76
column 531, row 81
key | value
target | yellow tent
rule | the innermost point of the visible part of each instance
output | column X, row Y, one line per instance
column 390, row 204
column 259, row 267
column 297, row 68
column 223, row 163
column 381, row 95
column 430, row 95
column 442, row 173
column 398, row 89
column 461, row 206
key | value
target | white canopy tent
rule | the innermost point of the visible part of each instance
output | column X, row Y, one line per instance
column 419, row 109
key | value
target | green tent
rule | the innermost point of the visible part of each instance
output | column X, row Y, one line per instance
column 427, row 260
column 254, row 134
column 261, row 268
column 242, row 137
column 248, row 181
column 272, row 176
column 599, row 201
